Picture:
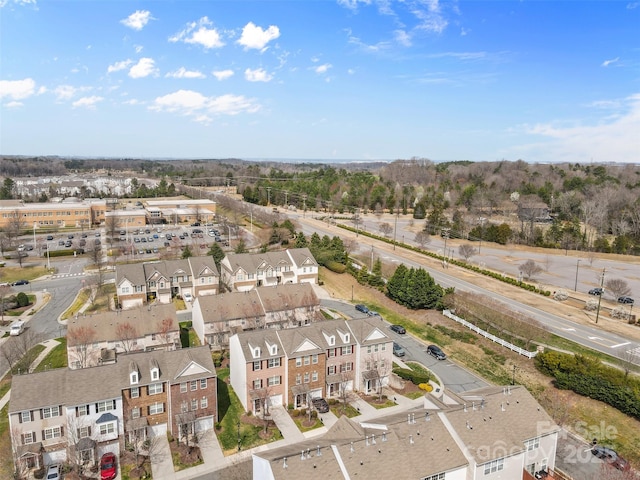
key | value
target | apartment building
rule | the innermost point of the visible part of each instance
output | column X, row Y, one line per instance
column 161, row 281
column 491, row 433
column 319, row 360
column 96, row 339
column 78, row 415
column 245, row 271
column 215, row 317
column 52, row 216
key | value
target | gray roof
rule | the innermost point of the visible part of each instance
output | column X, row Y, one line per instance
column 251, row 262
column 260, row 338
column 288, row 297
column 434, row 451
column 87, row 385
column 132, row 272
column 302, row 256
column 145, row 320
column 363, row 327
column 201, row 264
column 231, row 306
column 506, row 416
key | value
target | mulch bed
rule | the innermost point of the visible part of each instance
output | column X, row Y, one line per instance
column 188, row 455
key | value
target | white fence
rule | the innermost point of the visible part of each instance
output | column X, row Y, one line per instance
column 488, row 335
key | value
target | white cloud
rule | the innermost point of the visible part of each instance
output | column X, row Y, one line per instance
column 64, row 92
column 257, row 75
column 13, row 104
column 606, row 63
column 198, row 33
column 137, row 20
column 184, row 73
column 257, row 38
column 194, row 104
column 353, row 4
column 222, row 74
column 87, row 102
column 144, row 68
column 119, row 66
column 351, row 71
column 632, row 5
column 133, row 101
column 19, row 2
column 17, row 89
column 614, row 138
column 138, row 48
column 403, row 38
column 324, row 68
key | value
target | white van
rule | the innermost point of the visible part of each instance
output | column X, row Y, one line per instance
column 17, row 328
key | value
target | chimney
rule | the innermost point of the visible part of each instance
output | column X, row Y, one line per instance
column 411, row 439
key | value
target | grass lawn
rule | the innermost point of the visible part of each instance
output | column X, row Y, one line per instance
column 24, row 363
column 103, row 298
column 57, row 358
column 11, row 274
column 302, row 423
column 77, row 304
column 339, row 409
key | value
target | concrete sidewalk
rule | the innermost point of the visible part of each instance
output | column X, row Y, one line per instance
column 285, row 424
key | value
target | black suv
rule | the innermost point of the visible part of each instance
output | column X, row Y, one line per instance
column 321, row 405
column 625, row 299
column 362, row 308
column 398, row 329
column 436, row 352
column 596, row 291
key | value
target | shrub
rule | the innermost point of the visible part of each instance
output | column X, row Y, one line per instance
column 425, row 386
column 413, row 377
column 22, row 299
column 336, row 267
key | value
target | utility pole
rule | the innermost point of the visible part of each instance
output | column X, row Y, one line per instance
column 304, row 205
column 286, row 199
column 575, row 286
column 268, row 196
column 371, row 258
column 395, row 228
column 601, row 294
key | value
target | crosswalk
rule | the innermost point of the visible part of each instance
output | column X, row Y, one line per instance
column 66, row 275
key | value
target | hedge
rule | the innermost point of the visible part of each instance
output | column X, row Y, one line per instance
column 414, row 377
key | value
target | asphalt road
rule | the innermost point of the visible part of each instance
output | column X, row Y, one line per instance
column 589, row 336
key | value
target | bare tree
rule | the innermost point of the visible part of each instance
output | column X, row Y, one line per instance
column 79, row 433
column 112, row 226
column 529, row 269
column 617, row 287
column 5, row 290
column 15, row 226
column 81, row 339
column 422, row 238
column 629, row 361
column 21, row 468
column 128, row 335
column 547, row 262
column 386, row 229
column 11, row 353
column 263, row 394
column 164, row 329
column 378, row 368
column 345, row 393
column 466, row 251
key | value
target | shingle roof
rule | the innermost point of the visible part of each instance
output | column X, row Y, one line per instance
column 77, row 387
column 287, row 297
column 251, row 262
column 200, row 264
column 145, row 320
column 362, row 328
column 302, row 256
column 132, row 272
column 231, row 306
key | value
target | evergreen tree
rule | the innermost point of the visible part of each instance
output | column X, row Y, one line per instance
column 397, row 283
column 375, row 279
column 301, row 241
column 217, row 253
column 241, row 247
column 186, row 252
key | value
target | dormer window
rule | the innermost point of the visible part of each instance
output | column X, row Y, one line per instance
column 332, row 340
column 346, row 338
column 274, row 349
column 155, row 373
column 256, row 352
column 133, row 378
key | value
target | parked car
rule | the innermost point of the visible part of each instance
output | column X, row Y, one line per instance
column 108, row 466
column 321, row 405
column 16, row 328
column 362, row 308
column 20, row 282
column 70, row 236
column 611, row 457
column 53, row 472
column 187, row 297
column 398, row 351
column 436, row 352
column 61, row 243
column 596, row 291
column 68, row 243
column 49, row 237
column 625, row 299
column 398, row 329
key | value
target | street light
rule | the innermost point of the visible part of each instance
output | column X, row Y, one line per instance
column 601, row 294
column 35, row 224
column 48, row 259
column 575, row 286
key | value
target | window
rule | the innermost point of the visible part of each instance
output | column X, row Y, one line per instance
column 298, row 379
column 107, row 428
column 437, row 476
column 314, row 376
column 184, row 407
column 105, row 406
column 135, row 412
column 50, row 412
column 299, row 362
column 348, row 350
column 306, row 377
column 256, row 366
column 493, row 466
column 154, row 388
column 135, row 392
column 332, row 352
column 194, row 385
column 55, row 432
column 25, row 417
column 307, row 359
column 155, row 373
column 531, row 444
column 275, row 380
column 314, row 358
column 331, row 370
column 203, row 383
column 368, row 348
column 28, row 437
column 156, row 408
column 134, row 378
column 84, row 432
column 194, row 404
column 274, row 362
column 257, row 384
column 204, row 402
column 183, row 388
column 82, row 410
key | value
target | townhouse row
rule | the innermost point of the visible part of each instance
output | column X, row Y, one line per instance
column 161, row 281
column 78, row 415
column 324, row 359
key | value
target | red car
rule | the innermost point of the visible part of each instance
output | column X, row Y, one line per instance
column 108, row 466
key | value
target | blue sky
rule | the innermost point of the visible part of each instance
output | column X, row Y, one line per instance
column 542, row 81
